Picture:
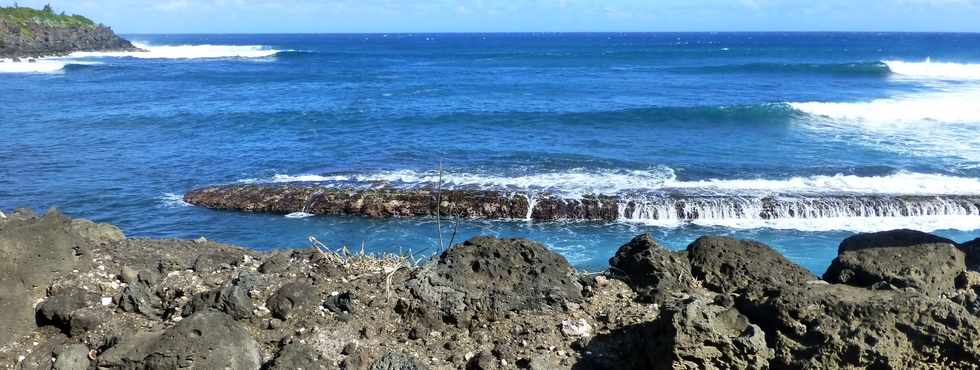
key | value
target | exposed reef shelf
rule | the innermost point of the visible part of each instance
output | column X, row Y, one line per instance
column 388, row 202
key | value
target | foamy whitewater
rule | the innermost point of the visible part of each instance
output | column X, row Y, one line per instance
column 205, row 51
column 797, row 140
column 57, row 64
column 578, row 182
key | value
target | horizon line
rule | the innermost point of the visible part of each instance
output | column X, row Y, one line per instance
column 541, row 32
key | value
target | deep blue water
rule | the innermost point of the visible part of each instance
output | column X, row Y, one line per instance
column 117, row 138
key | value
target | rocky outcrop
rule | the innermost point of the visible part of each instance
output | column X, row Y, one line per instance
column 890, row 239
column 654, row 272
column 838, row 326
column 202, row 341
column 972, row 250
column 703, row 335
column 487, row 278
column 380, row 200
column 26, row 33
column 728, row 265
column 392, row 202
column 33, row 252
column 930, row 268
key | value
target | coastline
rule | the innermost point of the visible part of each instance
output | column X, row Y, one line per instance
column 95, row 298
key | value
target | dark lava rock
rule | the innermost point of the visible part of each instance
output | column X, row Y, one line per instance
column 489, row 277
column 71, row 357
column 699, row 335
column 822, row 326
column 292, row 297
column 893, row 238
column 214, row 259
column 931, row 268
column 208, row 340
column 57, row 310
column 972, row 250
column 231, row 300
column 141, row 298
column 652, row 271
column 34, row 251
column 278, row 262
column 88, row 319
column 396, row 361
column 341, row 303
column 729, row 265
column 295, row 356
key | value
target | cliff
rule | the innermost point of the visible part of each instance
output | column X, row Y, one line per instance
column 26, row 32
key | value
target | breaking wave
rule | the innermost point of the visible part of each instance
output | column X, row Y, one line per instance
column 578, row 182
column 41, row 65
column 205, row 51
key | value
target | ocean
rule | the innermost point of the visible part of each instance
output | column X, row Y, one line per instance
column 729, row 118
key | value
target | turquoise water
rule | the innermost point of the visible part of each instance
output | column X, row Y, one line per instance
column 119, row 137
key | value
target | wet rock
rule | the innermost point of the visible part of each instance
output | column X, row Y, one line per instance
column 278, row 262
column 57, row 310
column 699, row 334
column 729, row 265
column 890, row 239
column 71, row 357
column 652, row 271
column 208, row 340
column 840, row 326
column 396, row 361
column 34, row 252
column 231, row 300
column 292, row 297
column 489, row 277
column 296, row 356
column 141, row 298
column 930, row 268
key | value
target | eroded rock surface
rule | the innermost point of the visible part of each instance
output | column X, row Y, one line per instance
column 654, row 272
column 487, row 277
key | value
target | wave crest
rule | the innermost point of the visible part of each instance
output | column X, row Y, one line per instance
column 203, row 51
column 934, row 70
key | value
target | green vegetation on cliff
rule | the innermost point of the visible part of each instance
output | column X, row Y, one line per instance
column 21, row 18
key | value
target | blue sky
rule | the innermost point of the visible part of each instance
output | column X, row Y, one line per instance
column 266, row 16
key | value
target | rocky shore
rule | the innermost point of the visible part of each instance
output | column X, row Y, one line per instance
column 80, row 295
column 30, row 33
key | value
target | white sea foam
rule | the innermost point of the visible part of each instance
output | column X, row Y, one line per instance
column 901, row 183
column 853, row 224
column 572, row 183
column 205, row 51
column 959, row 106
column 173, row 200
column 934, row 70
column 42, row 65
column 578, row 182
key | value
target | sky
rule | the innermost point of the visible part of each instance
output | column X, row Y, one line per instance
column 383, row 16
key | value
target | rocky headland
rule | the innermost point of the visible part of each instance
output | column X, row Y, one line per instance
column 31, row 33
column 80, row 295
